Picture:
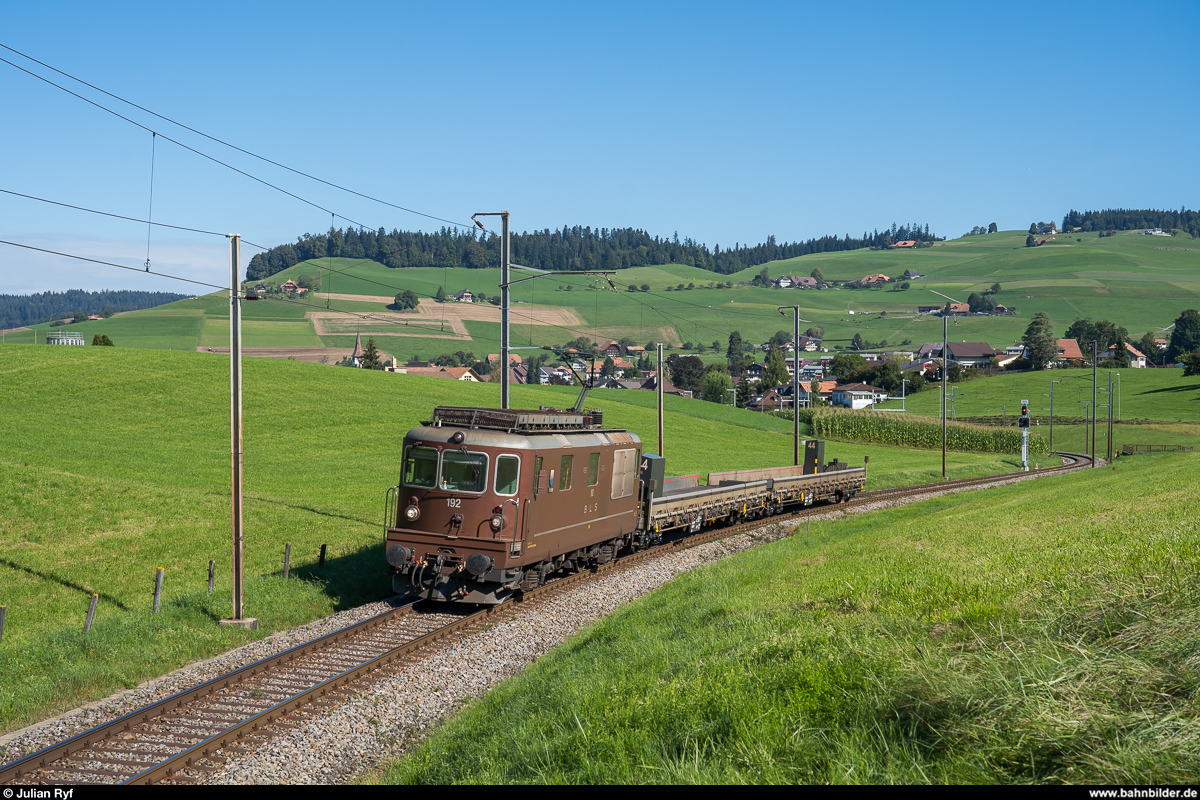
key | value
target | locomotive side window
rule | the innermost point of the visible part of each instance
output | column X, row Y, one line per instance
column 464, row 472
column 508, row 469
column 565, row 473
column 420, row 467
column 593, row 468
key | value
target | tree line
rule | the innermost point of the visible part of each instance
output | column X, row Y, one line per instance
column 30, row 309
column 1129, row 219
column 570, row 249
column 1041, row 345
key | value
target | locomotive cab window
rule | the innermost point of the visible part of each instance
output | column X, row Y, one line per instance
column 508, row 471
column 565, row 472
column 420, row 467
column 593, row 474
column 463, row 472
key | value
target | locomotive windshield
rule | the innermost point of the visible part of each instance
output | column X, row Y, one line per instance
column 420, row 467
column 463, row 472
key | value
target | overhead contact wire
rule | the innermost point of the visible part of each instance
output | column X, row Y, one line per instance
column 111, row 264
column 186, row 147
column 122, row 216
column 227, row 144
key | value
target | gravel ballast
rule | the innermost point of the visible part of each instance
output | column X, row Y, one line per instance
column 392, row 709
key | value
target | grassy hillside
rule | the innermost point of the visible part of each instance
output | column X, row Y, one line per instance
column 1137, row 281
column 1037, row 633
column 1159, row 394
column 115, row 461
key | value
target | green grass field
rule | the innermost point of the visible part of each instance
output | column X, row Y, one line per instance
column 1037, row 633
column 1139, row 282
column 1158, row 394
column 115, row 461
column 1136, row 281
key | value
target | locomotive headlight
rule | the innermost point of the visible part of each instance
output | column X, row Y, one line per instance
column 411, row 513
column 497, row 522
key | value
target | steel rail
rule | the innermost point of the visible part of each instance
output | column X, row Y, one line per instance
column 188, row 757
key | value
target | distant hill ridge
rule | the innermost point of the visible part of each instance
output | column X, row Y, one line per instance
column 1129, row 219
column 577, row 248
column 29, row 309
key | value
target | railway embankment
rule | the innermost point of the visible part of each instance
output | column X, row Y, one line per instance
column 392, row 710
column 1041, row 632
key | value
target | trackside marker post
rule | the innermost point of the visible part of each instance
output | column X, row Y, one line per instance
column 287, row 559
column 158, row 581
column 3, row 614
column 87, row 623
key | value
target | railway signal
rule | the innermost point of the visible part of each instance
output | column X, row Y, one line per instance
column 1023, row 424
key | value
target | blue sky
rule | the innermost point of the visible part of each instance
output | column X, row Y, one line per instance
column 723, row 122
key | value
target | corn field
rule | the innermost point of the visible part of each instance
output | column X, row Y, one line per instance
column 907, row 430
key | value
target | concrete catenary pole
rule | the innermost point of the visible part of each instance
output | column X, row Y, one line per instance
column 1094, row 387
column 796, row 390
column 505, row 259
column 658, row 384
column 945, row 369
column 235, row 429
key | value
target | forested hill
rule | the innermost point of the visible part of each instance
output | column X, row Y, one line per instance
column 578, row 248
column 1130, row 219
column 29, row 309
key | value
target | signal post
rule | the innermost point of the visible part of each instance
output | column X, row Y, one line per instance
column 1023, row 424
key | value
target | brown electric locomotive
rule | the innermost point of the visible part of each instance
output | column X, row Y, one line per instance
column 490, row 501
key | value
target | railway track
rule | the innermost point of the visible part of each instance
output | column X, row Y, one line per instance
column 193, row 733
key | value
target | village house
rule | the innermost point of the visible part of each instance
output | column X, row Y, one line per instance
column 1068, row 353
column 454, row 373
column 611, row 348
column 464, row 297
column 1047, row 227
column 1137, row 358
column 904, row 243
column 972, row 354
column 910, row 275
column 857, row 395
column 878, row 278
column 513, row 359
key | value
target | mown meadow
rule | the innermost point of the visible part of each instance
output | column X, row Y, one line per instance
column 1136, row 281
column 1037, row 633
column 115, row 461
